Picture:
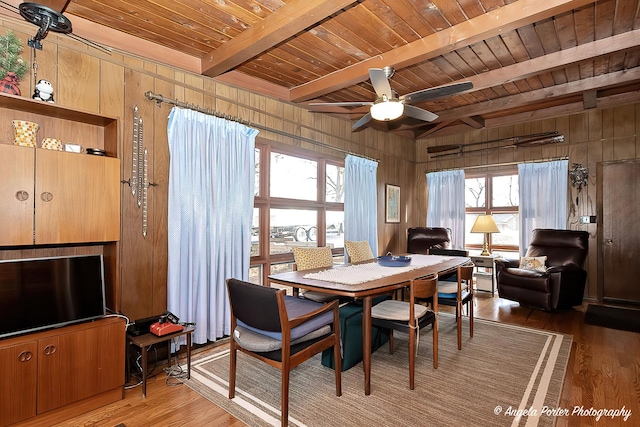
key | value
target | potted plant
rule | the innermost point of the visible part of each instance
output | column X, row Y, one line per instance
column 12, row 66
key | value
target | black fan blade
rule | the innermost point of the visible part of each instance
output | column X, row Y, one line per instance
column 436, row 92
column 380, row 82
column 361, row 123
column 419, row 113
column 341, row 104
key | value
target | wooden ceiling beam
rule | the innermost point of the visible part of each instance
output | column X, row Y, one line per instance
column 555, row 60
column 566, row 109
column 475, row 122
column 589, row 99
column 490, row 24
column 287, row 21
column 59, row 5
column 567, row 89
column 441, row 131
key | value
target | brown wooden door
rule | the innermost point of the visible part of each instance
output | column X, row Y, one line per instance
column 18, row 382
column 77, row 198
column 619, row 231
column 16, row 195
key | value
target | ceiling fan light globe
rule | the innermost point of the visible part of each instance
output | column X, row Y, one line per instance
column 385, row 111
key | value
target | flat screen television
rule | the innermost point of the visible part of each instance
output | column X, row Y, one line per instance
column 42, row 293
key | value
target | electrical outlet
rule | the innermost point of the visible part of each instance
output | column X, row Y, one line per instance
column 588, row 219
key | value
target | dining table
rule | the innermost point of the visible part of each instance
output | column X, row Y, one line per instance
column 364, row 281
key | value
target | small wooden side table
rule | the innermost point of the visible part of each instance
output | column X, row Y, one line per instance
column 488, row 263
column 145, row 340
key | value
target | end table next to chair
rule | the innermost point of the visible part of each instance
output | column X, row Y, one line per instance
column 486, row 263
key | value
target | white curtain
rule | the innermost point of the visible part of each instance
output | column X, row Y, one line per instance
column 361, row 201
column 543, row 197
column 445, row 206
column 211, row 184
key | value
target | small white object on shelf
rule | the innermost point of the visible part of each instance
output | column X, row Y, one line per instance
column 73, row 148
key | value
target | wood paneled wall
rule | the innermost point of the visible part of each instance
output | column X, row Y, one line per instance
column 113, row 84
column 591, row 137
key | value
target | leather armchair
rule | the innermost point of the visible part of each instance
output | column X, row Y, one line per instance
column 561, row 286
column 421, row 239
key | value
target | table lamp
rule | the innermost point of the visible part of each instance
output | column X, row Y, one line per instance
column 485, row 224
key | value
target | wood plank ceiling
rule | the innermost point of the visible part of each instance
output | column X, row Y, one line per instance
column 527, row 59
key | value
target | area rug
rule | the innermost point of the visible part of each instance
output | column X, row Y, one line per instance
column 504, row 376
column 625, row 319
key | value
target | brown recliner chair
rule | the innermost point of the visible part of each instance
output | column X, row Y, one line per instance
column 561, row 285
column 421, row 239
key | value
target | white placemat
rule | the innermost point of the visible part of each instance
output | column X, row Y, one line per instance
column 360, row 273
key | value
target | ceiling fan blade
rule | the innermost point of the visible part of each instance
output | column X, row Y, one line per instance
column 380, row 82
column 360, row 124
column 436, row 92
column 341, row 104
column 419, row 113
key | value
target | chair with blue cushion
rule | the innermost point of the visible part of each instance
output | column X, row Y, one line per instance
column 282, row 331
column 457, row 294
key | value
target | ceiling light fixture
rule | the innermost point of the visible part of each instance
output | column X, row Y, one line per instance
column 385, row 109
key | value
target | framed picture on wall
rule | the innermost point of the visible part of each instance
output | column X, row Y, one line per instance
column 392, row 203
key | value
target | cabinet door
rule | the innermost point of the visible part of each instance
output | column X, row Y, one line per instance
column 77, row 198
column 81, row 364
column 16, row 195
column 18, row 382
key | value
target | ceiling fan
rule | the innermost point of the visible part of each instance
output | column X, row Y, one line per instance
column 47, row 19
column 389, row 106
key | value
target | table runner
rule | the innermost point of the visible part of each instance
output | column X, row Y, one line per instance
column 360, row 273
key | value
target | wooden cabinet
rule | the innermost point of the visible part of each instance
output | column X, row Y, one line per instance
column 61, row 203
column 45, row 373
column 75, row 197
column 18, row 382
column 16, row 195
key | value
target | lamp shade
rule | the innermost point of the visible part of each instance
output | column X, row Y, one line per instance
column 387, row 110
column 484, row 224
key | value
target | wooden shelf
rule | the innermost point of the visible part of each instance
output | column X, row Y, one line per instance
column 66, row 124
column 20, row 103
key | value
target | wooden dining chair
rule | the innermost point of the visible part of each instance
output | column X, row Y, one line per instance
column 410, row 317
column 282, row 331
column 457, row 294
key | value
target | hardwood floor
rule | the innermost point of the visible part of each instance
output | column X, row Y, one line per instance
column 603, row 373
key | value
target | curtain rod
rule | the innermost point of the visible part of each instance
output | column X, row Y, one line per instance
column 160, row 99
column 550, row 159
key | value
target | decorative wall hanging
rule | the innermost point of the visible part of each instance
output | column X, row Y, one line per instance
column 579, row 176
column 139, row 181
column 392, row 204
column 145, row 193
column 136, row 156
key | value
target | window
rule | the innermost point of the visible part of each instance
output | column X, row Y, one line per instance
column 494, row 194
column 299, row 201
column 293, row 177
